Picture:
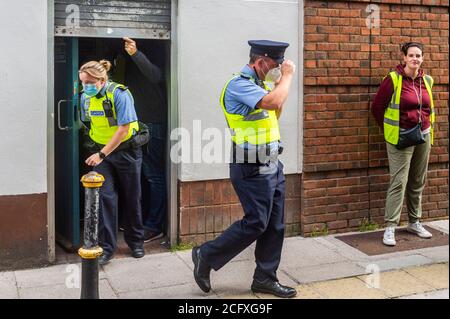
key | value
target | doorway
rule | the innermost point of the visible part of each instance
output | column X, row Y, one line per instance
column 70, row 54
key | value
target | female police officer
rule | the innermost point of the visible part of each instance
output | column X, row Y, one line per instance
column 109, row 108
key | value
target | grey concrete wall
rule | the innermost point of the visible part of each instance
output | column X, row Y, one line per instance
column 23, row 96
column 212, row 46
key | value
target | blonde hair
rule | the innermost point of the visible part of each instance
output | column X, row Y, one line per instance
column 98, row 70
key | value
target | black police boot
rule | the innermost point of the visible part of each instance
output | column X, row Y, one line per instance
column 201, row 270
column 138, row 252
column 105, row 258
column 270, row 286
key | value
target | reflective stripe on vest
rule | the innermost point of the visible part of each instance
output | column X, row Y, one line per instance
column 391, row 124
column 258, row 127
column 102, row 128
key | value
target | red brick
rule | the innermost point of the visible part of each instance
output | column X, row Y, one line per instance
column 310, row 64
column 338, row 5
column 319, row 184
column 328, row 12
column 339, row 38
column 193, row 220
column 226, row 217
column 218, row 220
column 184, row 221
column 201, row 220
column 209, row 218
column 217, row 186
column 337, row 224
column 310, row 20
column 431, row 2
column 196, row 194
column 309, row 228
column 337, row 208
column 350, row 13
column 236, row 212
column 315, row 193
column 226, row 192
column 328, row 46
column 184, row 194
column 209, row 193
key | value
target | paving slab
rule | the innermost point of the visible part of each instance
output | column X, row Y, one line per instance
column 347, row 288
column 7, row 276
column 241, row 297
column 324, row 272
column 8, row 290
column 437, row 254
column 52, row 275
column 63, row 292
column 307, row 252
column 442, row 225
column 186, row 291
column 48, row 276
column 398, row 262
column 342, row 249
column 155, row 271
column 434, row 275
column 399, row 283
column 439, row 294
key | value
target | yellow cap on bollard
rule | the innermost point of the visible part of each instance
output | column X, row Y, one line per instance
column 91, row 253
column 92, row 180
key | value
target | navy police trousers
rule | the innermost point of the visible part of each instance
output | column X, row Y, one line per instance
column 261, row 190
column 122, row 172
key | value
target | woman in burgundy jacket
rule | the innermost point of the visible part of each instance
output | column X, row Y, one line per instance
column 407, row 166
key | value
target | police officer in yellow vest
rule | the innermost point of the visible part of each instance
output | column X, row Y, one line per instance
column 404, row 108
column 109, row 108
column 252, row 111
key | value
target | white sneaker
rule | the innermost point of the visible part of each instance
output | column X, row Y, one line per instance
column 389, row 236
column 419, row 230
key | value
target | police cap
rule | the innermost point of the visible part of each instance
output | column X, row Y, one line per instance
column 272, row 49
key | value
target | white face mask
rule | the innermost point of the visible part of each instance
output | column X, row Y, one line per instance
column 274, row 75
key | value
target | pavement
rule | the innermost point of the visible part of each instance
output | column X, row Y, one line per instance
column 319, row 268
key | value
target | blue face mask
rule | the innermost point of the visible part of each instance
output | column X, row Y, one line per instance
column 90, row 89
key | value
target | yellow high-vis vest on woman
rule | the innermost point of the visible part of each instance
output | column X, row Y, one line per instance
column 258, row 127
column 104, row 120
column 392, row 113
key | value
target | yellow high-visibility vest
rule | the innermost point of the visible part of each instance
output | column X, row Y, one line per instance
column 103, row 127
column 258, row 127
column 392, row 113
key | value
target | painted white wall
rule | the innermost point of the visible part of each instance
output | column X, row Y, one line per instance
column 23, row 97
column 213, row 37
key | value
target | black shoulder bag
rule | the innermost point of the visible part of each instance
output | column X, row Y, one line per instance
column 412, row 136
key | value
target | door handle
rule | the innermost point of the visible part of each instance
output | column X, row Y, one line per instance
column 66, row 128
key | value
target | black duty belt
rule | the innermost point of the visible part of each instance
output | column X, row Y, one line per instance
column 256, row 154
column 138, row 139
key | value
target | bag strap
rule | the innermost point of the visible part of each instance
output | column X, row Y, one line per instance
column 108, row 107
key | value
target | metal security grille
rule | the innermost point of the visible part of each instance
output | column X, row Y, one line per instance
column 148, row 19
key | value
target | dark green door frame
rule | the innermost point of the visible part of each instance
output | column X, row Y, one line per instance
column 67, row 190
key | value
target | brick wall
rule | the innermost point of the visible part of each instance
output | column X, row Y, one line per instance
column 206, row 208
column 345, row 164
column 345, row 175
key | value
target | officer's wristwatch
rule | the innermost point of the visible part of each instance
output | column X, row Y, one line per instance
column 101, row 154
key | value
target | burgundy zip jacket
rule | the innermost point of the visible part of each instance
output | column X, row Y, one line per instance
column 409, row 104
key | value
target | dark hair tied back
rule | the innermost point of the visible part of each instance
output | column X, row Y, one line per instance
column 408, row 45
